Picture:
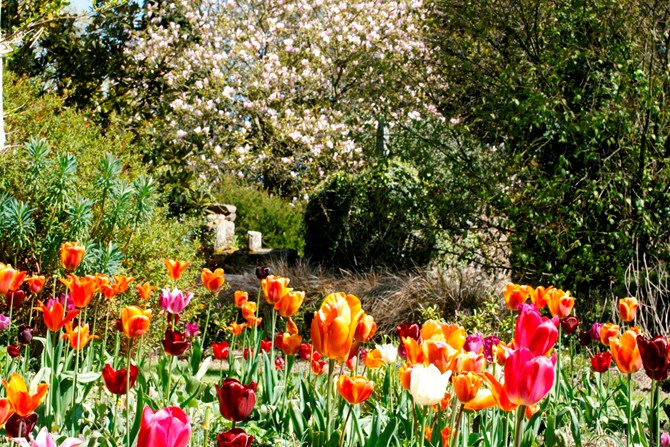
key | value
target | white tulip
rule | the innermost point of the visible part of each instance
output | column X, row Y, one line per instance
column 389, row 353
column 428, row 385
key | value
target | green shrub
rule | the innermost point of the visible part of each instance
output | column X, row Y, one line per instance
column 280, row 221
column 373, row 219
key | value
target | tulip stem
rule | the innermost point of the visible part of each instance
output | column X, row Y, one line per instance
column 518, row 435
column 74, row 384
column 204, row 330
column 128, row 426
column 628, row 413
column 655, row 428
column 344, row 427
column 457, row 426
column 169, row 383
column 329, row 385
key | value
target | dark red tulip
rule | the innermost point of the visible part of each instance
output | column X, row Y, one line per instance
column 306, row 351
column 266, row 345
column 601, row 362
column 175, row 342
column 20, row 427
column 278, row 340
column 262, row 272
column 221, row 350
column 13, row 350
column 570, row 325
column 654, row 355
column 119, row 325
column 25, row 335
column 236, row 401
column 235, row 437
column 584, row 338
column 115, row 381
column 410, row 330
column 15, row 299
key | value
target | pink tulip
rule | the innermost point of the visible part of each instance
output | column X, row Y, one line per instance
column 174, row 301
column 528, row 378
column 535, row 332
column 45, row 439
column 167, row 428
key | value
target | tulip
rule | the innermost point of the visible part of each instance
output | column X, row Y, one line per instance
column 274, row 288
column 13, row 351
column 290, row 344
column 55, row 317
column 334, row 325
column 665, row 440
column 570, row 325
column 539, row 296
column 428, row 385
column 537, row 333
column 245, row 353
column 192, row 329
column 212, row 281
column 305, row 351
column 516, row 295
column 365, row 329
column 18, row 426
column 280, row 364
column 607, row 331
column 121, row 283
column 175, row 268
column 289, row 304
column 23, row 402
column 262, row 272
column 626, row 353
column 266, row 346
column 466, row 386
column 78, row 336
column 36, row 283
column 528, row 377
column 388, row 352
column 560, row 303
column 135, row 322
column 71, row 255
column 45, row 439
column 115, row 380
column 175, row 342
column 15, row 298
column 318, row 365
column 235, row 437
column 410, row 330
column 248, row 309
column 169, row 427
column 373, row 359
column 469, row 361
column 240, row 297
column 654, row 354
column 25, row 335
column 585, row 338
column 595, row 331
column 145, row 289
column 355, row 389
column 489, row 342
column 6, row 278
column 453, row 334
column 253, row 322
column 405, row 375
column 236, row 401
column 601, row 362
column 628, row 309
column 438, row 353
column 4, row 322
column 474, row 343
column 414, row 352
column 81, row 289
column 221, row 350
column 236, row 328
column 174, row 301
column 291, row 327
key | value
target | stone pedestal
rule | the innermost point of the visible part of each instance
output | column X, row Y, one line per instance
column 255, row 241
column 221, row 220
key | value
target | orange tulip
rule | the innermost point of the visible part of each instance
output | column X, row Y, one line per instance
column 253, row 322
column 35, row 283
column 334, row 325
column 560, row 303
column 405, row 374
column 71, row 255
column 414, row 351
column 236, row 328
column 81, row 289
column 482, row 401
column 289, row 304
column 445, row 434
column 212, row 281
column 135, row 321
column 248, row 309
column 121, row 283
column 6, row 410
column 466, row 386
column 539, row 296
column 440, row 354
column 373, row 359
column 145, row 290
column 628, row 309
column 291, row 327
column 274, row 288
column 355, row 389
column 499, row 393
column 365, row 329
column 101, row 281
column 515, row 295
column 470, row 361
column 10, row 278
column 175, row 268
column 453, row 334
column 53, row 317
column 240, row 298
column 78, row 336
column 626, row 353
column 290, row 344
column 109, row 291
column 607, row 331
column 23, row 401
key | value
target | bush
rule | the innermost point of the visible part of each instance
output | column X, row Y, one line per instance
column 376, row 218
column 280, row 221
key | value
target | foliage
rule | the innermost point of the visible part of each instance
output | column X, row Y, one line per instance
column 280, row 221
column 372, row 219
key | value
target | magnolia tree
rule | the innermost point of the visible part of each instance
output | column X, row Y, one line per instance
column 279, row 91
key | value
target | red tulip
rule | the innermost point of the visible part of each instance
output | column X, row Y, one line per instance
column 601, row 362
column 115, row 380
column 221, row 350
column 654, row 355
column 535, row 332
column 175, row 342
column 13, row 350
column 570, row 325
column 266, row 345
column 236, row 401
column 235, row 437
column 528, row 378
column 168, row 428
column 280, row 364
column 306, row 351
column 18, row 426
